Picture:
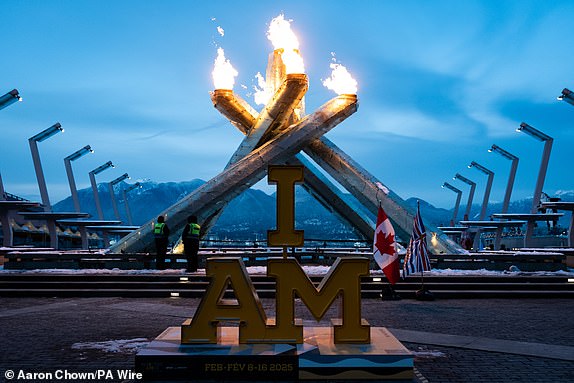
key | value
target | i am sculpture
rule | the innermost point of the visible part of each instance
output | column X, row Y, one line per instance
column 343, row 280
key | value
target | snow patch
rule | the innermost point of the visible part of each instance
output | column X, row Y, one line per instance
column 124, row 346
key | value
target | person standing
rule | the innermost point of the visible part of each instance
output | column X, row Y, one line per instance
column 190, row 238
column 161, row 234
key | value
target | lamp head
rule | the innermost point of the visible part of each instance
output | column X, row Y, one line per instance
column 120, row 179
column 47, row 133
column 478, row 166
column 497, row 149
column 464, row 179
column 103, row 167
column 79, row 153
column 449, row 186
column 567, row 96
column 524, row 127
column 9, row 98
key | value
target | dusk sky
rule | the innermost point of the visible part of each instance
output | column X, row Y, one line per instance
column 439, row 83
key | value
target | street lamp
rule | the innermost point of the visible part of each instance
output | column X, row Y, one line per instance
column 497, row 149
column 490, row 175
column 567, row 96
column 126, row 191
column 470, row 194
column 68, row 165
column 93, row 173
column 545, row 158
column 33, row 141
column 524, row 127
column 112, row 195
column 10, row 98
column 457, row 203
column 512, row 175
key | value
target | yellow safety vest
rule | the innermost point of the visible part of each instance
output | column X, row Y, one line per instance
column 158, row 229
column 194, row 229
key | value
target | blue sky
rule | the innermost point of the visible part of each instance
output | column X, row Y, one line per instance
column 439, row 82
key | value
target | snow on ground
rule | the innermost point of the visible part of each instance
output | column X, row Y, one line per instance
column 125, row 346
column 310, row 270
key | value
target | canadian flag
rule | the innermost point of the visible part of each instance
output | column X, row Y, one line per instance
column 384, row 248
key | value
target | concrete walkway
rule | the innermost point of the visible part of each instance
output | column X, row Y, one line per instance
column 540, row 350
column 528, row 340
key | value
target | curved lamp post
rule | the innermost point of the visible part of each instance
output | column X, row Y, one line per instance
column 490, row 175
column 73, row 189
column 112, row 195
column 125, row 192
column 457, row 203
column 68, row 165
column 535, row 133
column 497, row 149
column 470, row 194
column 567, row 96
column 33, row 141
column 10, row 98
column 92, row 174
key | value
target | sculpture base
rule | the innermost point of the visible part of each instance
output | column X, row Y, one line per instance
column 385, row 358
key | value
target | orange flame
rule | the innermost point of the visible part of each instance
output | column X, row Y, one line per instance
column 283, row 38
column 223, row 72
column 341, row 80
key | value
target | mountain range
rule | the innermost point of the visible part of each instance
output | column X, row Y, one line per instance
column 251, row 214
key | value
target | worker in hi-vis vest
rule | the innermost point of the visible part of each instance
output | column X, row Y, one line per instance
column 161, row 234
column 190, row 238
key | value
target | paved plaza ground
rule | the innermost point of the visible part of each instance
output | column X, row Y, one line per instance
column 475, row 340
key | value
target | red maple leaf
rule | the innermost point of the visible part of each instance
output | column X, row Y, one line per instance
column 385, row 243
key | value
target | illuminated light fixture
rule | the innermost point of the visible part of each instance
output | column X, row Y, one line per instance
column 103, row 167
column 478, row 166
column 10, row 98
column 377, row 279
column 497, row 149
column 470, row 194
column 183, row 279
column 524, row 127
column 120, row 179
column 79, row 153
column 567, row 96
column 92, row 174
column 548, row 141
column 174, row 295
column 490, row 175
column 570, row 280
column 47, row 133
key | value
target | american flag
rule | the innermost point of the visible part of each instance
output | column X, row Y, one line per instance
column 417, row 258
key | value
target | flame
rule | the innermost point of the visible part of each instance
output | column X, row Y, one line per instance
column 341, row 80
column 283, row 38
column 262, row 93
column 223, row 72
